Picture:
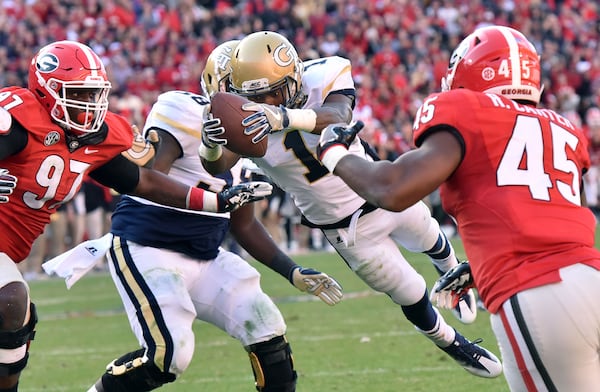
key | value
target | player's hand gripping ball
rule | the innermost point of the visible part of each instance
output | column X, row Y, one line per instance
column 228, row 108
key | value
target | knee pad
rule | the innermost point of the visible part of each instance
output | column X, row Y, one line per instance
column 16, row 342
column 273, row 365
column 134, row 372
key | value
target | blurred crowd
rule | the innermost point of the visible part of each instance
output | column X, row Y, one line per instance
column 399, row 49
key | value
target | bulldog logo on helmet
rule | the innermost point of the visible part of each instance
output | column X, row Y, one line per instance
column 47, row 63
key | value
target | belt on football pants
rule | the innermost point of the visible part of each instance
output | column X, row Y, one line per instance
column 341, row 224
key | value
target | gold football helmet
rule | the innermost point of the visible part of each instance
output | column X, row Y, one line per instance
column 218, row 67
column 267, row 63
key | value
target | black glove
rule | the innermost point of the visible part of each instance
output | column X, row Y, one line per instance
column 333, row 137
column 8, row 183
column 238, row 195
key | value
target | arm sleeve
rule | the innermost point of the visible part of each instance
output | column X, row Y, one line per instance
column 14, row 141
column 120, row 174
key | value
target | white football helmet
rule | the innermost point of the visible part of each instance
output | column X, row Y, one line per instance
column 498, row 60
column 265, row 62
column 218, row 68
column 64, row 70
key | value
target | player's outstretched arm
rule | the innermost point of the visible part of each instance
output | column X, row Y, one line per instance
column 394, row 185
column 126, row 177
column 265, row 119
column 253, row 237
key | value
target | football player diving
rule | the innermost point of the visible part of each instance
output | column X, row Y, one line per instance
column 292, row 102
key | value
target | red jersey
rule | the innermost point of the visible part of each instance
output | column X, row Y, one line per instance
column 48, row 173
column 516, row 193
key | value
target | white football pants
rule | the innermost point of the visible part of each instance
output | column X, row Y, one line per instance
column 164, row 292
column 370, row 248
column 549, row 336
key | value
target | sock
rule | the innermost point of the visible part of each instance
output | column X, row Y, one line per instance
column 97, row 387
column 429, row 322
column 442, row 254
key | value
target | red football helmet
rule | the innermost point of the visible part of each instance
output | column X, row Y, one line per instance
column 499, row 60
column 64, row 71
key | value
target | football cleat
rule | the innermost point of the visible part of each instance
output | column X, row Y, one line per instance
column 474, row 358
column 466, row 308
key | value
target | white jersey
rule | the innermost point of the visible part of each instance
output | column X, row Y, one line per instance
column 291, row 160
column 181, row 114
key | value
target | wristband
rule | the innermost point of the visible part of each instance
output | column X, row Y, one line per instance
column 200, row 200
column 210, row 154
column 302, row 119
column 332, row 156
column 284, row 266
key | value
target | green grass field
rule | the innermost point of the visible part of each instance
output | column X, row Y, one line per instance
column 362, row 344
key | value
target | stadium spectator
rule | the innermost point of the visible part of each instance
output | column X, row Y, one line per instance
column 142, row 35
column 566, row 35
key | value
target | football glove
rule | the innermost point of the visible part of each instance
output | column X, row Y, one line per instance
column 317, row 283
column 236, row 196
column 448, row 289
column 335, row 141
column 143, row 150
column 210, row 149
column 266, row 119
column 211, row 130
column 8, row 183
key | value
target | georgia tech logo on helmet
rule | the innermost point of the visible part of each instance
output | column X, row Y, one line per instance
column 47, row 63
column 223, row 60
column 283, row 55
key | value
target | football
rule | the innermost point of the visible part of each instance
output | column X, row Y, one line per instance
column 228, row 107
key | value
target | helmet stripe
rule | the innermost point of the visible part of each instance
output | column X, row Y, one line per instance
column 515, row 64
column 91, row 58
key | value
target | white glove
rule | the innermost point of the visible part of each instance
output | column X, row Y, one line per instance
column 318, row 284
column 451, row 286
column 210, row 149
column 8, row 183
column 266, row 119
column 247, row 192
